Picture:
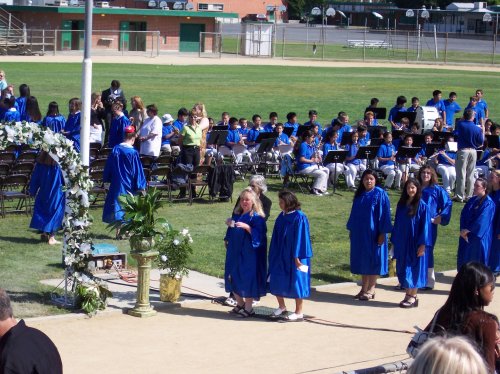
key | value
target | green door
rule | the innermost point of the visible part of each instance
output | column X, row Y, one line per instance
column 189, row 39
column 78, row 41
column 124, row 36
column 66, row 35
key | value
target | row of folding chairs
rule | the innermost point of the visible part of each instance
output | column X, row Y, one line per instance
column 14, row 194
column 11, row 157
column 164, row 179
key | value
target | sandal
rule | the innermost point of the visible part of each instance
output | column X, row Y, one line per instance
column 237, row 309
column 243, row 313
column 358, row 295
column 409, row 302
column 367, row 296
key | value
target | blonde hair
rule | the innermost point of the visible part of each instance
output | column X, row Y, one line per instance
column 139, row 105
column 200, row 108
column 256, row 204
column 453, row 355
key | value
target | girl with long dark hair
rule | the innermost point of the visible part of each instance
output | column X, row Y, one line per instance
column 368, row 225
column 411, row 239
column 463, row 312
column 476, row 229
column 33, row 110
column 24, row 93
column 494, row 188
column 54, row 120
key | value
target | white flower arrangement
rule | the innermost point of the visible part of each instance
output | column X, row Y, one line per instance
column 77, row 182
column 174, row 248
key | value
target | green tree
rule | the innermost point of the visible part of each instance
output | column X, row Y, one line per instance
column 295, row 8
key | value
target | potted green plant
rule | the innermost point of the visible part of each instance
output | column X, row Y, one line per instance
column 174, row 248
column 140, row 221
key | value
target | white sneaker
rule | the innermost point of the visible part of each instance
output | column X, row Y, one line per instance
column 278, row 312
column 230, row 301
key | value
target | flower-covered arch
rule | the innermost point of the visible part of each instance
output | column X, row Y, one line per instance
column 77, row 182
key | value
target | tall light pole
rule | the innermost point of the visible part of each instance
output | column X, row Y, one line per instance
column 425, row 14
column 330, row 12
column 86, row 86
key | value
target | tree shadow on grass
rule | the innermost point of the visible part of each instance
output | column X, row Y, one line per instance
column 103, row 236
column 42, row 297
column 20, row 240
column 56, row 265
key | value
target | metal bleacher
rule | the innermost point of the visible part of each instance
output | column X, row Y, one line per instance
column 13, row 35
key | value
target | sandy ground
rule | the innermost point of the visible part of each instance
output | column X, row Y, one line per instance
column 186, row 59
column 202, row 337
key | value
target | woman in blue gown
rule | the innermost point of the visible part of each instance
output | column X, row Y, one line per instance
column 476, row 226
column 411, row 237
column 494, row 187
column 24, row 93
column 72, row 126
column 290, row 256
column 368, row 225
column 440, row 205
column 46, row 184
column 54, row 120
column 33, row 110
column 118, row 125
column 246, row 249
column 124, row 172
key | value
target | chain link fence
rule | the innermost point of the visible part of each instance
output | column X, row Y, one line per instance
column 355, row 43
column 104, row 42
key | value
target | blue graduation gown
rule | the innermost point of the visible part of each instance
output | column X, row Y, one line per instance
column 12, row 116
column 408, row 234
column 21, row 107
column 478, row 219
column 124, row 172
column 55, row 123
column 73, row 127
column 117, row 130
column 370, row 217
column 290, row 240
column 494, row 257
column 439, row 203
column 46, row 183
column 246, row 263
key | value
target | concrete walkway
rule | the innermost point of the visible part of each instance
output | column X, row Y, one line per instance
column 198, row 336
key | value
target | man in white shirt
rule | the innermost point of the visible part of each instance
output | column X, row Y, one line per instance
column 150, row 133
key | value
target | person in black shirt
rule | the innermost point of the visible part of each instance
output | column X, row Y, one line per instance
column 23, row 349
column 108, row 97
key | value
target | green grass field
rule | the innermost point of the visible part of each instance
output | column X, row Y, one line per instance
column 243, row 91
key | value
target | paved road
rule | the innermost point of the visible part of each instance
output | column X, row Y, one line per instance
column 301, row 33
